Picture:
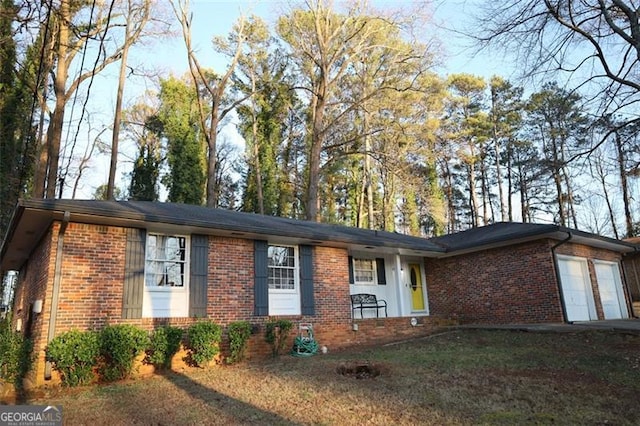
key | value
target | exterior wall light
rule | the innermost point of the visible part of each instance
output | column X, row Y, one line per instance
column 37, row 306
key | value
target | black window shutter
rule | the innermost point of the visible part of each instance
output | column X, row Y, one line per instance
column 198, row 269
column 382, row 278
column 133, row 288
column 351, row 278
column 261, row 285
column 306, row 280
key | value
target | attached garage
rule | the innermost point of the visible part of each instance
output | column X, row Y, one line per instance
column 611, row 291
column 516, row 273
column 578, row 290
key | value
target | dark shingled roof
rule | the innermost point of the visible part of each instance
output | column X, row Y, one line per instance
column 228, row 220
column 32, row 218
column 509, row 232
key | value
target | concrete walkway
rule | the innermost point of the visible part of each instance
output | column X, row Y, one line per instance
column 629, row 325
column 632, row 324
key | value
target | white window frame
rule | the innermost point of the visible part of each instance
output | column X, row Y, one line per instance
column 374, row 271
column 166, row 301
column 295, row 269
column 618, row 286
column 187, row 261
column 285, row 301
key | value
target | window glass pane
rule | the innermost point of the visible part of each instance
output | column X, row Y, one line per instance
column 282, row 267
column 151, row 246
column 364, row 271
column 166, row 261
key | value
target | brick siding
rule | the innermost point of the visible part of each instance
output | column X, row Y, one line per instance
column 514, row 284
column 33, row 284
column 91, row 292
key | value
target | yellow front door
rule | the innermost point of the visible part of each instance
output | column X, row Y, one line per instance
column 415, row 284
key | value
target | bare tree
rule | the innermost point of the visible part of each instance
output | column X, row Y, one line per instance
column 325, row 48
column 71, row 35
column 137, row 14
column 596, row 42
column 214, row 86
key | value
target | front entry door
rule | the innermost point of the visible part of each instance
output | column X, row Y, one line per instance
column 415, row 286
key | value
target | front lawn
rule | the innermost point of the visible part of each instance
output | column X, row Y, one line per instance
column 456, row 377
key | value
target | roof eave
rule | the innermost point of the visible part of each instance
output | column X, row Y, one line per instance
column 559, row 234
column 35, row 217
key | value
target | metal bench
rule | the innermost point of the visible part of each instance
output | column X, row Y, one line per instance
column 364, row 301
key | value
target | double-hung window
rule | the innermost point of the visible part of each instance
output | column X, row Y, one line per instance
column 364, row 271
column 282, row 268
column 166, row 276
column 283, row 279
column 166, row 261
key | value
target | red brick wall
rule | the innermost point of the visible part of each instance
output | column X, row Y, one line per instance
column 516, row 284
column 93, row 276
column 375, row 331
column 230, row 291
column 32, row 285
column 507, row 285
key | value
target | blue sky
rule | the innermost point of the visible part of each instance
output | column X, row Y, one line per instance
column 216, row 17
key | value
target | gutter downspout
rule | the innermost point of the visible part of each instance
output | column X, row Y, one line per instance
column 557, row 271
column 625, row 283
column 57, row 282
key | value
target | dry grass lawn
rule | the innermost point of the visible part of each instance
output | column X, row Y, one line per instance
column 458, row 377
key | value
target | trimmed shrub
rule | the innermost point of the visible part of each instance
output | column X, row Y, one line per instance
column 16, row 354
column 74, row 354
column 276, row 334
column 120, row 345
column 238, row 333
column 203, row 342
column 165, row 343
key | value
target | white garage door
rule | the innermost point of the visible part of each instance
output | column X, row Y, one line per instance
column 576, row 288
column 610, row 286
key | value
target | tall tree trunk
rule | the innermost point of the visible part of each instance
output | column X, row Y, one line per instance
column 473, row 197
column 602, row 175
column 559, row 198
column 620, row 156
column 215, row 90
column 510, row 190
column 571, row 211
column 487, row 204
column 317, row 139
column 556, row 172
column 524, row 197
column 115, row 136
column 361, row 198
column 368, row 175
column 54, row 134
column 212, row 157
column 256, row 146
column 451, row 208
column 496, row 148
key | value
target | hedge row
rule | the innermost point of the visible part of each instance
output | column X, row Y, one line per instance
column 111, row 352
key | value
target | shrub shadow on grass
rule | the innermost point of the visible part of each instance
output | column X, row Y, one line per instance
column 229, row 407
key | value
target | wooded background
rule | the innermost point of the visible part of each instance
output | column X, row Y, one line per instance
column 344, row 115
